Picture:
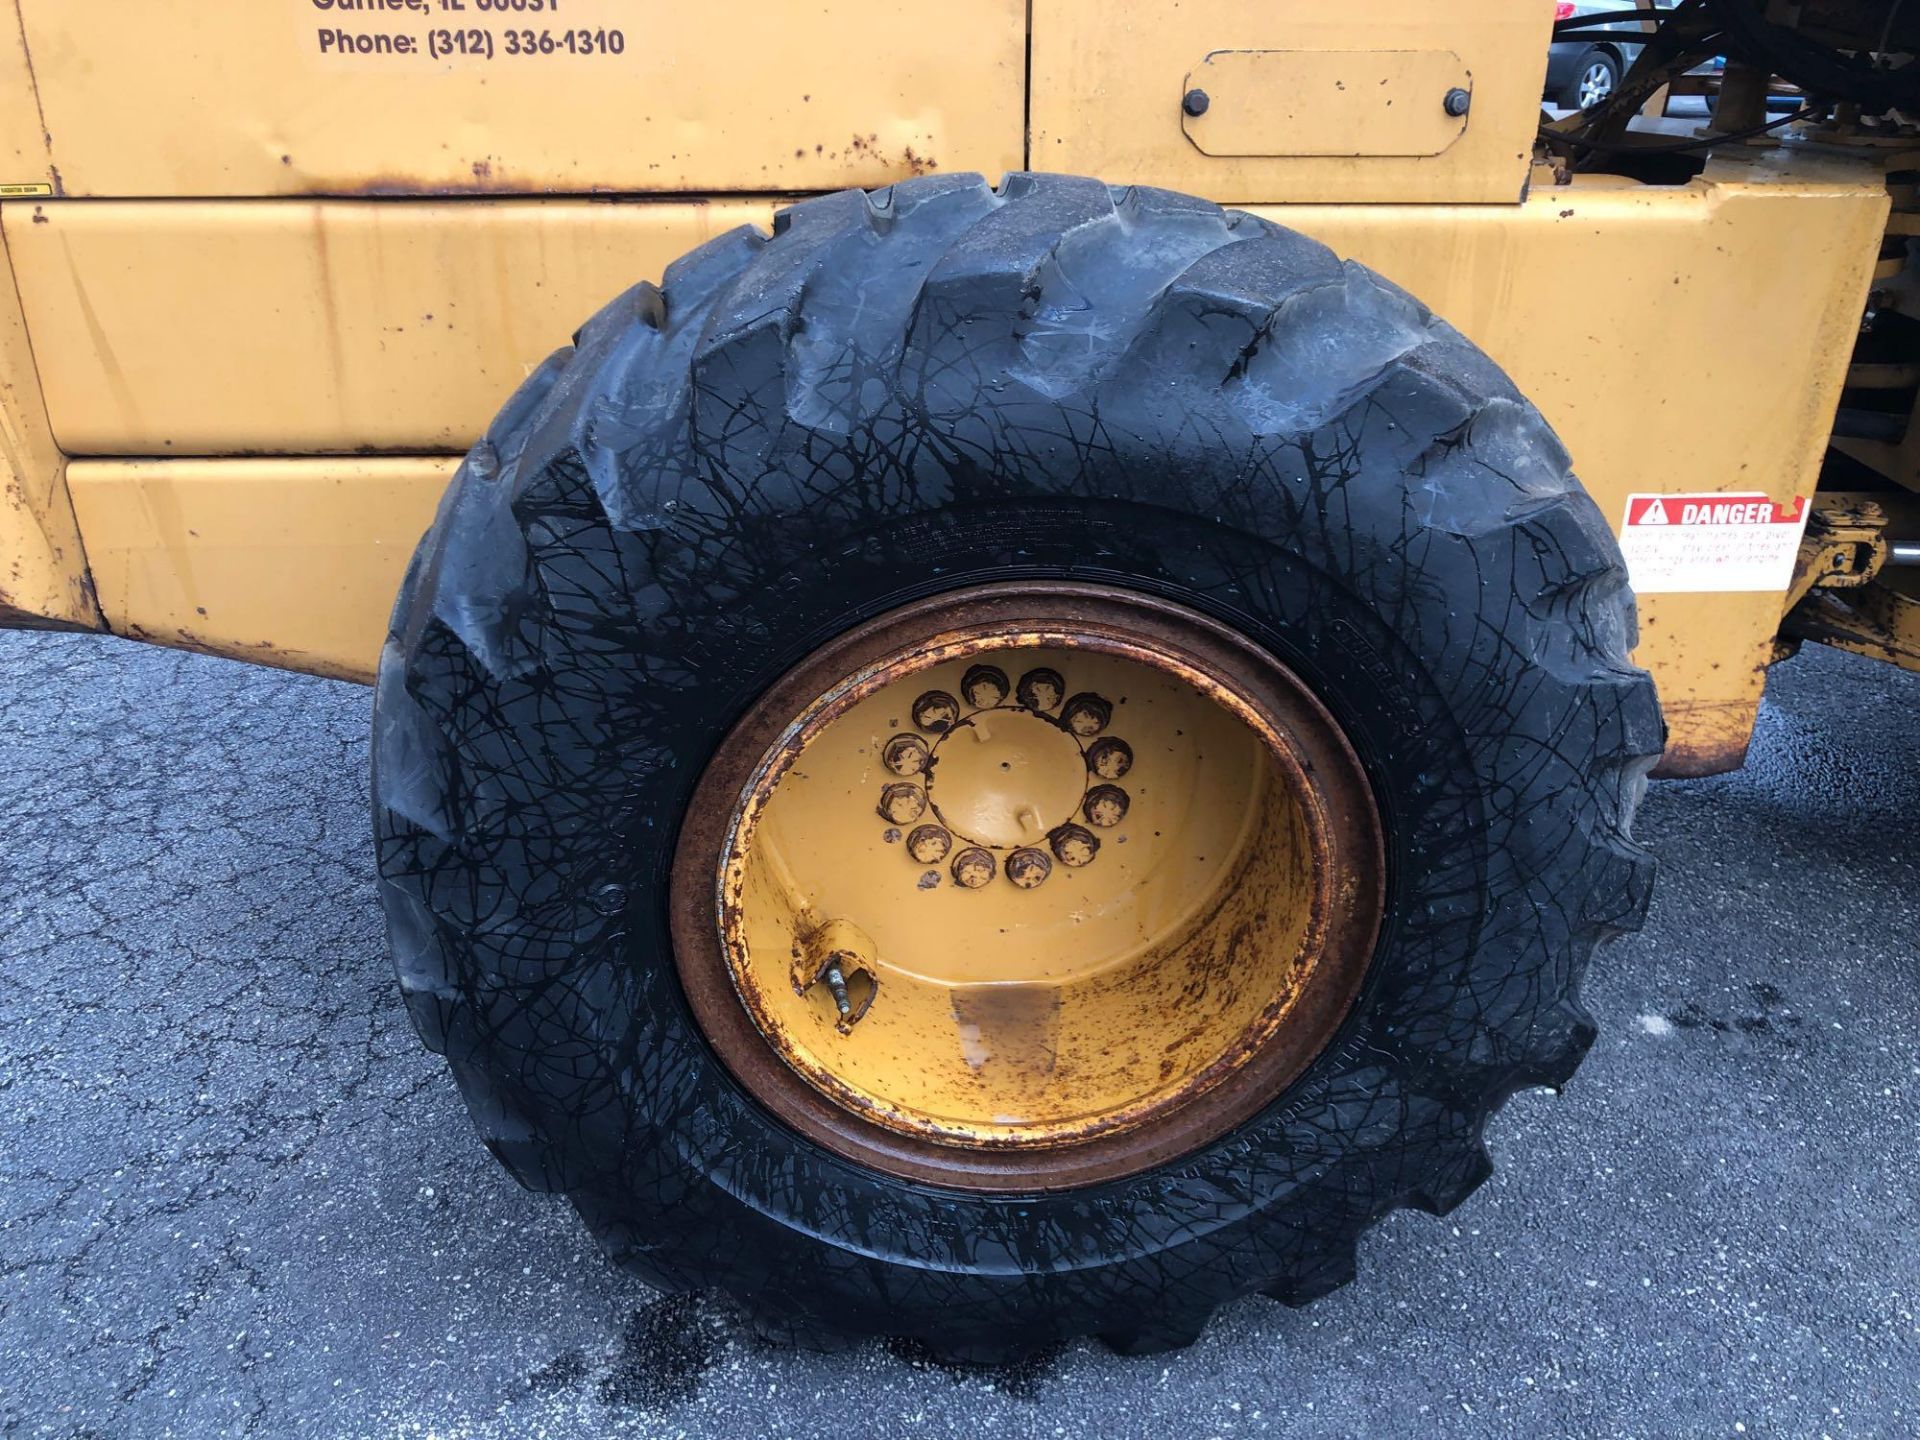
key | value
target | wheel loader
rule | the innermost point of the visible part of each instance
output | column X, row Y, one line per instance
column 1038, row 625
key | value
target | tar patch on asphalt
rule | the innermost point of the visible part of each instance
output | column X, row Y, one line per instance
column 665, row 1351
column 562, row 1372
column 1770, row 1020
column 1020, row 1379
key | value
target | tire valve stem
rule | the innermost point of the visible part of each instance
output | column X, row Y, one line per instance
column 832, row 953
column 837, row 983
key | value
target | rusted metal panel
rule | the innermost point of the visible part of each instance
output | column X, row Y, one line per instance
column 1844, row 547
column 1881, row 620
column 296, row 97
column 1862, row 589
column 43, row 570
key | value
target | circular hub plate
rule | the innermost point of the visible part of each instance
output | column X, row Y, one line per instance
column 1006, row 777
column 1026, row 887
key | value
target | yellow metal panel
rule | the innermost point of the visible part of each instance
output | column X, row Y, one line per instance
column 281, row 562
column 1679, row 338
column 1682, row 339
column 218, row 327
column 1108, row 82
column 291, row 97
column 1326, row 102
column 43, row 572
column 24, row 142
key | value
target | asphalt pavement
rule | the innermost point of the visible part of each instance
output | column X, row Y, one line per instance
column 237, row 1198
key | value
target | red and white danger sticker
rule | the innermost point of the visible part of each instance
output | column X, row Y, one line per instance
column 1711, row 542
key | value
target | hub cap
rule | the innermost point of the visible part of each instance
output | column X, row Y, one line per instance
column 1596, row 84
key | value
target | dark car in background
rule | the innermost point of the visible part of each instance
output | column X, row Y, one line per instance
column 1584, row 69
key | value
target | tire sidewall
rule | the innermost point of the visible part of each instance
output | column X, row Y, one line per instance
column 1299, row 1153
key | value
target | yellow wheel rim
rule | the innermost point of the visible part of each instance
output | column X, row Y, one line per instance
column 1039, row 874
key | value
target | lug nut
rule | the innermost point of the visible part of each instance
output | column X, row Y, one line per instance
column 906, row 755
column 1105, row 806
column 929, row 844
column 1110, row 759
column 610, row 899
column 936, row 711
column 901, row 802
column 984, row 686
column 1074, row 845
column 1086, row 715
column 1040, row 689
column 1028, row 868
column 973, row 867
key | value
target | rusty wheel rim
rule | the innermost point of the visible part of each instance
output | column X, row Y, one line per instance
column 869, row 894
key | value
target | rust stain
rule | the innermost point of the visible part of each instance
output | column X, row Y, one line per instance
column 395, row 184
column 12, row 617
column 253, row 652
column 1694, row 760
column 323, row 255
column 1706, row 740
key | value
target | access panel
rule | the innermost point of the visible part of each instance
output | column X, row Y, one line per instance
column 1294, row 100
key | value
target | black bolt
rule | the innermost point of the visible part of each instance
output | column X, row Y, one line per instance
column 610, row 899
column 1086, row 714
column 1110, row 758
column 973, row 867
column 1458, row 101
column 905, row 755
column 1195, row 102
column 936, row 711
column 1040, row 689
column 1105, row 806
column 1028, row 868
column 985, row 685
column 901, row 802
column 1074, row 845
column 929, row 843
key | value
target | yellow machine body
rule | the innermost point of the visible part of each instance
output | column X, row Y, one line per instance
column 273, row 266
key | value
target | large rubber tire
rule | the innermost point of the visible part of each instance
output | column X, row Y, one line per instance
column 923, row 388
